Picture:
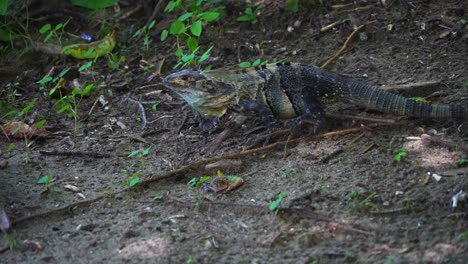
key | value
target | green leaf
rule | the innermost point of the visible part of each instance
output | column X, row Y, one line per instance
column 196, row 28
column 244, row 18
column 203, row 180
column 87, row 89
column 85, row 66
column 248, row 11
column 205, row 55
column 151, row 25
column 58, row 26
column 158, row 197
column 134, row 153
column 134, row 179
column 40, row 123
column 256, row 62
column 164, row 34
column 48, row 36
column 292, row 5
column 155, row 107
column 17, row 128
column 192, row 182
column 64, row 108
column 64, row 71
column 75, row 91
column 245, row 64
column 192, row 43
column 179, row 52
column 45, row 179
column 185, row 16
column 137, row 33
column 10, row 147
column 11, row 112
column 171, row 6
column 209, row 16
column 29, row 106
column 177, row 27
column 146, row 151
column 45, row 79
column 274, row 205
column 45, row 28
column 94, row 5
column 3, row 7
column 400, row 154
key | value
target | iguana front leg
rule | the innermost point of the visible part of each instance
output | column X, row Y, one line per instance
column 314, row 114
column 265, row 114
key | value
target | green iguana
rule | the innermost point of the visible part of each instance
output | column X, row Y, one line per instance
column 289, row 90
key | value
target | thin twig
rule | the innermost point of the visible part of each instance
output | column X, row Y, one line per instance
column 345, row 45
column 142, row 110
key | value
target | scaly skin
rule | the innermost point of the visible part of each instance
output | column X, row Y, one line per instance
column 287, row 91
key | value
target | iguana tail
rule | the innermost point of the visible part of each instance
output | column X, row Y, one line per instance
column 378, row 99
column 372, row 97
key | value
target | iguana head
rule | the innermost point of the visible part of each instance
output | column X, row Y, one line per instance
column 206, row 96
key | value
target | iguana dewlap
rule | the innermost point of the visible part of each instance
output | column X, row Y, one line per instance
column 288, row 90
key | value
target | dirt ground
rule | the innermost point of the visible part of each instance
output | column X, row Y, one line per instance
column 345, row 198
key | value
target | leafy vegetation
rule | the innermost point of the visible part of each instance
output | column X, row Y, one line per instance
column 188, row 28
column 56, row 32
column 18, row 125
column 251, row 15
column 135, row 176
column 399, row 154
column 274, row 206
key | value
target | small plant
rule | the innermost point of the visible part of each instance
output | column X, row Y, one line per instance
column 56, row 32
column 463, row 236
column 135, row 178
column 420, row 99
column 257, row 62
column 192, row 59
column 408, row 203
column 367, row 201
column 68, row 104
column 8, row 95
column 251, row 15
column 45, row 180
column 132, row 181
column 353, row 196
column 273, row 206
column 145, row 31
column 196, row 182
column 115, row 61
column 158, row 197
column 20, row 126
column 462, row 162
column 188, row 27
column 10, row 239
column 399, row 154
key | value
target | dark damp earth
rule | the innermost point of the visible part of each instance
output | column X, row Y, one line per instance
column 344, row 197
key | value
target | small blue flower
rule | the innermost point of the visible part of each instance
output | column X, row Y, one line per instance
column 86, row 37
